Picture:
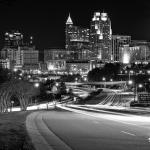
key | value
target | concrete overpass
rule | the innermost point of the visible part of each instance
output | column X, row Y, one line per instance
column 96, row 83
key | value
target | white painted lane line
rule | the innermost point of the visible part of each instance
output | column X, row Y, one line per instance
column 128, row 133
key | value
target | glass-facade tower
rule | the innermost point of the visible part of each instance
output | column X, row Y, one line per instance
column 100, row 37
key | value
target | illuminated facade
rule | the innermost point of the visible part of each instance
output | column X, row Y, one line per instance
column 77, row 41
column 29, row 56
column 56, row 59
column 43, row 67
column 56, row 54
column 5, row 63
column 78, row 67
column 100, row 36
column 17, row 52
column 117, row 42
column 13, row 39
column 138, row 52
column 21, row 56
column 10, row 54
column 55, row 66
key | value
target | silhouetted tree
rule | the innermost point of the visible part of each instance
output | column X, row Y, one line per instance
column 108, row 71
column 22, row 90
column 4, row 75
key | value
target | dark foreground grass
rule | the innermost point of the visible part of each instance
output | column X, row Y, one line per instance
column 13, row 134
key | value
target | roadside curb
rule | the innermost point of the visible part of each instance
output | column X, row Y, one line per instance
column 42, row 137
column 37, row 140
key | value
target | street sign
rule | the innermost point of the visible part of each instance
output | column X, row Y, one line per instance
column 144, row 98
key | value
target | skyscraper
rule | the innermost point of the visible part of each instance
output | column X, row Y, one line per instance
column 69, row 26
column 100, row 36
column 13, row 39
column 77, row 41
column 17, row 52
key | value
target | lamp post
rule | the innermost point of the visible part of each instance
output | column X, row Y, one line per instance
column 135, row 92
column 136, row 89
column 36, row 85
column 130, row 82
column 76, row 80
column 12, row 102
column 104, row 79
column 55, row 90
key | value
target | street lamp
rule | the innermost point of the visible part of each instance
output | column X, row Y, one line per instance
column 130, row 82
column 57, row 84
column 104, row 79
column 140, row 85
column 55, row 91
column 12, row 102
column 15, row 69
column 85, row 79
column 136, row 89
column 36, row 85
column 67, row 90
column 29, row 76
column 76, row 79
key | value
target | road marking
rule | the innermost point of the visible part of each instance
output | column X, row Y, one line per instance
column 128, row 133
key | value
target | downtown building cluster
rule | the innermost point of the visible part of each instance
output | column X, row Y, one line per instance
column 17, row 55
column 99, row 44
column 85, row 49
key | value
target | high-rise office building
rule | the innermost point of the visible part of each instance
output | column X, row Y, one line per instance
column 55, row 54
column 77, row 41
column 30, row 56
column 10, row 54
column 117, row 42
column 68, row 31
column 100, row 36
column 27, row 58
column 13, row 39
column 21, row 56
column 19, row 53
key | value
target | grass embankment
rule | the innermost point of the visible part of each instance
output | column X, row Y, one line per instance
column 13, row 134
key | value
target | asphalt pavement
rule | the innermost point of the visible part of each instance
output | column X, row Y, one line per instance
column 72, row 130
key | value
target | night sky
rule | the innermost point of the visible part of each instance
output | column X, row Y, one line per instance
column 45, row 21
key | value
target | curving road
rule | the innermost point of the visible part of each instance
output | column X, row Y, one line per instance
column 66, row 130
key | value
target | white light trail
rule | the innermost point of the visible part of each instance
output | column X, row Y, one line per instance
column 128, row 133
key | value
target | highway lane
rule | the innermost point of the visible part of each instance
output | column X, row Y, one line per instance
column 77, row 131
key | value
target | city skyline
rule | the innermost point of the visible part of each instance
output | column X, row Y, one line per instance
column 46, row 22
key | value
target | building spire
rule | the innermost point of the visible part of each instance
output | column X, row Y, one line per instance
column 69, row 20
